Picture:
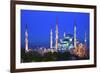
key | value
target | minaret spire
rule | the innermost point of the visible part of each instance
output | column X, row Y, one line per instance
column 51, row 39
column 56, row 33
column 26, row 39
column 85, row 39
column 75, row 35
column 64, row 34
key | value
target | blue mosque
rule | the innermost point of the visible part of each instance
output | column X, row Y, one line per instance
column 68, row 43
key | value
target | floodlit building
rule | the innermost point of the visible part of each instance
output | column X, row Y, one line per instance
column 66, row 43
column 81, row 49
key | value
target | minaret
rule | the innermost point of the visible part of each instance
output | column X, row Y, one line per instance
column 56, row 34
column 51, row 39
column 85, row 39
column 64, row 34
column 75, row 35
column 26, row 40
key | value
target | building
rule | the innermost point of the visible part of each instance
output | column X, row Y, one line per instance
column 66, row 43
column 81, row 50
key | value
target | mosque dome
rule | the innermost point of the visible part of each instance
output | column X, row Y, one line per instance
column 66, row 42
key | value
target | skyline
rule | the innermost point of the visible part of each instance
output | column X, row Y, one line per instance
column 39, row 24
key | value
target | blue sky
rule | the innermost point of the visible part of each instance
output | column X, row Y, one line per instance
column 39, row 24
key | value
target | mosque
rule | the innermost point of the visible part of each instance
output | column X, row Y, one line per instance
column 67, row 43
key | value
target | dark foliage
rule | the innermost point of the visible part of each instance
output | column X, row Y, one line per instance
column 34, row 56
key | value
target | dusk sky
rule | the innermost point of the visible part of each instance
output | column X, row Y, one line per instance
column 39, row 24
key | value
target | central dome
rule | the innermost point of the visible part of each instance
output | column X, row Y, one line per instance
column 66, row 43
